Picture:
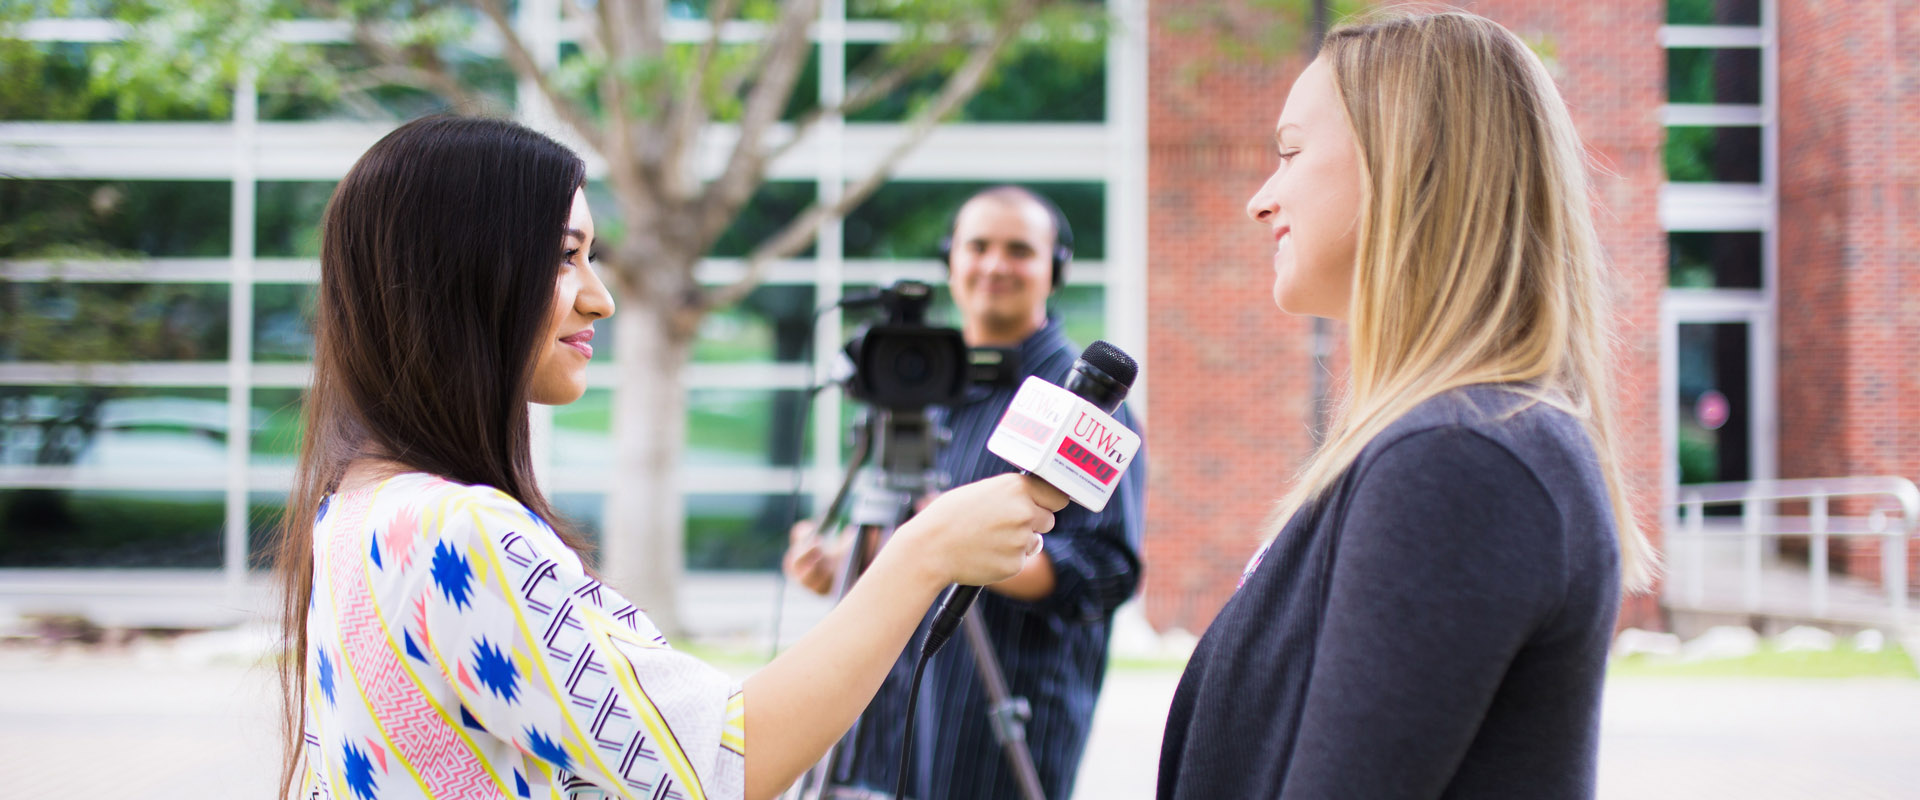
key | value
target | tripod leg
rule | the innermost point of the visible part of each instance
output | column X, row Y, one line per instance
column 1006, row 713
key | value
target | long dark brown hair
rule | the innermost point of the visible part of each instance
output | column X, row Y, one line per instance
column 438, row 255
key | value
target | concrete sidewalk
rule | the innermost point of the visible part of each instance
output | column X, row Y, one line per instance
column 160, row 722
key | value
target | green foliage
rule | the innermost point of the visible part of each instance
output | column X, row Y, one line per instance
column 1713, row 12
column 191, row 54
column 1701, row 75
column 113, row 219
column 1698, row 454
column 1730, row 155
column 1250, row 33
column 112, row 322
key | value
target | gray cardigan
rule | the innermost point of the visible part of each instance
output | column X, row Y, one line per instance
column 1436, row 625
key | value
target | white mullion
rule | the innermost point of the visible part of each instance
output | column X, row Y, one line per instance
column 830, row 248
column 72, row 478
column 1125, row 276
column 1764, row 346
column 51, row 373
column 1713, row 115
column 246, row 109
column 1727, row 208
column 156, row 270
column 538, row 23
column 1719, row 37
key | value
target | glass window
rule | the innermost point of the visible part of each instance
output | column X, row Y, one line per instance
column 1708, row 154
column 52, row 82
column 110, row 528
column 774, row 323
column 1037, row 85
column 114, row 427
column 1083, row 311
column 907, row 219
column 264, row 510
column 1713, row 12
column 1714, row 260
column 725, row 531
column 725, row 428
column 283, row 321
column 1722, row 76
column 1714, row 404
column 739, row 531
column 744, row 427
column 585, row 511
column 278, row 418
column 771, row 208
column 114, row 219
column 583, row 429
column 286, row 222
column 113, row 322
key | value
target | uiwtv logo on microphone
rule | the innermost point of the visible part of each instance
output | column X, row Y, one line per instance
column 1065, row 441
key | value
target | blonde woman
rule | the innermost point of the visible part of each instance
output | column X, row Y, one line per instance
column 1431, row 617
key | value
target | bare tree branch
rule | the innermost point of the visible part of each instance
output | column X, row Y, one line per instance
column 427, row 70
column 638, row 27
column 434, row 79
column 786, row 54
column 596, row 39
column 524, row 64
column 870, row 91
column 801, row 231
column 689, row 111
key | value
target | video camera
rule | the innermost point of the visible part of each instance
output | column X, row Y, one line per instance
column 901, row 363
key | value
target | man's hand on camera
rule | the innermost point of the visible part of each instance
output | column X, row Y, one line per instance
column 809, row 560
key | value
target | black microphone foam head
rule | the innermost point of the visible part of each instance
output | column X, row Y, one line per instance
column 1113, row 361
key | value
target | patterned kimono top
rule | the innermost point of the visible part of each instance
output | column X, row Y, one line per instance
column 457, row 650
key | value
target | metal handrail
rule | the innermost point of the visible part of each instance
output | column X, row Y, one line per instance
column 1755, row 497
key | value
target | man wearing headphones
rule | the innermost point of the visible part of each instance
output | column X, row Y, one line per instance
column 1007, row 252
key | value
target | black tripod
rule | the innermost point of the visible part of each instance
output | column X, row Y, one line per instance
column 890, row 471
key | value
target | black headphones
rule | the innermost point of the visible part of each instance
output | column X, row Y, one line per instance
column 1062, row 254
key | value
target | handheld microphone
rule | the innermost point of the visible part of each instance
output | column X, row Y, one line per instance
column 1066, row 437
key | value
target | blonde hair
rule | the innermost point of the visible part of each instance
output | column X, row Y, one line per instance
column 1477, row 260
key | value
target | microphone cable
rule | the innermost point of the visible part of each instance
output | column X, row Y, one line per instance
column 913, row 705
column 805, row 415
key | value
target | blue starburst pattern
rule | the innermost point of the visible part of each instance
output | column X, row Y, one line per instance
column 376, row 552
column 520, row 785
column 452, row 574
column 326, row 675
column 359, row 770
column 495, row 671
column 413, row 649
column 548, row 750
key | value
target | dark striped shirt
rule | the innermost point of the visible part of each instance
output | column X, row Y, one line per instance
column 1053, row 651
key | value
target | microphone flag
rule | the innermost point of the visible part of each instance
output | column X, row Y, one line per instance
column 1066, row 441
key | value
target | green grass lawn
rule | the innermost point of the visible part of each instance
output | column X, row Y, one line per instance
column 1841, row 662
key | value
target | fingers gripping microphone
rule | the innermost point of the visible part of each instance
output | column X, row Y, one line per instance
column 1066, row 437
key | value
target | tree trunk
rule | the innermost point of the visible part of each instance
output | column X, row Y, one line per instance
column 644, row 538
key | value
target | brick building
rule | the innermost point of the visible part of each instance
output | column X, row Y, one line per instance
column 1776, row 294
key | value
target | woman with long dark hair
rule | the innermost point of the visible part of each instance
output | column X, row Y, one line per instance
column 445, row 639
column 1431, row 613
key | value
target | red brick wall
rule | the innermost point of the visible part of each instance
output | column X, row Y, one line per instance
column 1850, row 243
column 1223, row 357
column 1231, row 374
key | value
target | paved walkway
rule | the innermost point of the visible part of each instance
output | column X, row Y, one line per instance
column 167, row 722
